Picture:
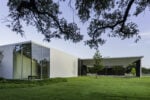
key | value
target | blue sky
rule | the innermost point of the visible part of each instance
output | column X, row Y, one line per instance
column 114, row 47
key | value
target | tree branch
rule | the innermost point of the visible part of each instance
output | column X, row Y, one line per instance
column 126, row 13
column 32, row 7
column 119, row 21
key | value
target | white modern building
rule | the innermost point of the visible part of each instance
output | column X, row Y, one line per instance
column 27, row 60
column 30, row 60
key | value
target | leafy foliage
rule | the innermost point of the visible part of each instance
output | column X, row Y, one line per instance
column 98, row 62
column 145, row 70
column 44, row 15
column 133, row 71
column 1, row 79
column 110, row 17
column 5, row 83
column 118, row 70
column 130, row 66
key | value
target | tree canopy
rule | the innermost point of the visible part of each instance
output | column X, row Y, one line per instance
column 110, row 17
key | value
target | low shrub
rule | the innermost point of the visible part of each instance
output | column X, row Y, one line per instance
column 29, row 83
column 1, row 79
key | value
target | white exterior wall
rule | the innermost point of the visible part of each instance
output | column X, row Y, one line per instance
column 6, row 65
column 62, row 64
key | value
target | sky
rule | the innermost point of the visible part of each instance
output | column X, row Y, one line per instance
column 114, row 47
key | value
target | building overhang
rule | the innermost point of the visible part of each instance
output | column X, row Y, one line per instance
column 117, row 61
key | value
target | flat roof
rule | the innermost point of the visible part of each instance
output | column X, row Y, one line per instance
column 140, row 57
column 105, row 58
column 30, row 41
column 116, row 61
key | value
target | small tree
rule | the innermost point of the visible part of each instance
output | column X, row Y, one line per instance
column 133, row 71
column 130, row 66
column 97, row 62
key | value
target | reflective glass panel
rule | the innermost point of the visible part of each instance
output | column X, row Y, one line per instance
column 40, row 61
column 22, row 61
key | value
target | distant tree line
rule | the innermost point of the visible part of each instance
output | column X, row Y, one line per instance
column 145, row 70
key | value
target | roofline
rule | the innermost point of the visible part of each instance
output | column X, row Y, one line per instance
column 15, row 43
column 30, row 41
column 116, row 57
column 40, row 44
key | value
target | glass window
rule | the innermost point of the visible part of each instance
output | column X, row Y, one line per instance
column 22, row 61
column 40, row 61
column 31, row 60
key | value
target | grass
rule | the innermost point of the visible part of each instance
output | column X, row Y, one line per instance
column 4, row 84
column 81, row 88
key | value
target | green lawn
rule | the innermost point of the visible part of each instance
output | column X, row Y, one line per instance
column 81, row 88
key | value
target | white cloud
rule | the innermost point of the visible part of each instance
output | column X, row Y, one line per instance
column 145, row 35
column 145, row 39
column 133, row 44
column 148, row 42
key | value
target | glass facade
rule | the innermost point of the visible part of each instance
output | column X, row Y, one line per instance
column 40, row 61
column 31, row 61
